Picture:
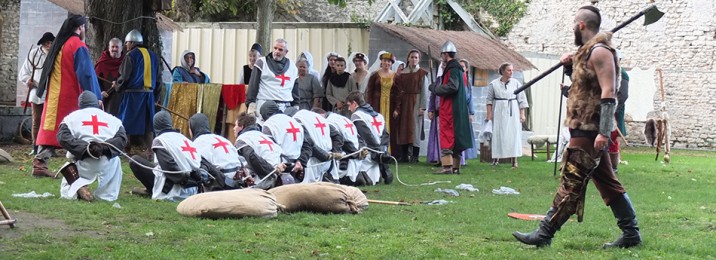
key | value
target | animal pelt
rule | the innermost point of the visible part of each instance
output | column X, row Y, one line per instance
column 650, row 132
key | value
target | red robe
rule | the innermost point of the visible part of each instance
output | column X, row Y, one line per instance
column 72, row 73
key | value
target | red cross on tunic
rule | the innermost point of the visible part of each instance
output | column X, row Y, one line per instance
column 266, row 142
column 222, row 144
column 348, row 125
column 283, row 78
column 377, row 124
column 189, row 148
column 95, row 124
column 320, row 125
column 293, row 130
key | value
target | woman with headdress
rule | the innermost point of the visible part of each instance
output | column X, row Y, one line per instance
column 328, row 71
column 382, row 94
column 358, row 67
column 254, row 55
column 188, row 71
column 310, row 92
column 470, row 153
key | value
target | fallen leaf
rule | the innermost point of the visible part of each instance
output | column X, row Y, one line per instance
column 248, row 251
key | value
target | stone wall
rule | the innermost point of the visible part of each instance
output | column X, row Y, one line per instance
column 355, row 11
column 10, row 12
column 682, row 44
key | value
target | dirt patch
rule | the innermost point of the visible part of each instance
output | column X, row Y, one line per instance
column 29, row 224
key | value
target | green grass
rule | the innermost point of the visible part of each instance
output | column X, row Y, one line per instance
column 674, row 203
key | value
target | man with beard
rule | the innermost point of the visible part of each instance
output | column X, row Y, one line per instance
column 590, row 117
column 67, row 72
column 453, row 121
column 413, row 87
column 188, row 71
column 32, row 67
column 140, row 81
column 85, row 134
column 273, row 78
column 107, row 67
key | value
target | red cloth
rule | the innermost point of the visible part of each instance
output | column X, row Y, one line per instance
column 233, row 94
column 108, row 67
column 446, row 124
column 614, row 142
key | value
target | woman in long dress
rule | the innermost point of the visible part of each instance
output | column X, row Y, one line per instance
column 381, row 94
column 507, row 111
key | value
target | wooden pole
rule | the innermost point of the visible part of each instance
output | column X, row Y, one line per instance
column 172, row 112
column 387, row 202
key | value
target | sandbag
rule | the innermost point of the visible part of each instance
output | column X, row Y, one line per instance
column 230, row 204
column 321, row 197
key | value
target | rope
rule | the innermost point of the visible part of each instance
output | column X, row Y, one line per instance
column 130, row 158
column 112, row 22
column 397, row 175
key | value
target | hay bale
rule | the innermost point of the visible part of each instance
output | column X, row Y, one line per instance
column 320, row 197
column 230, row 204
column 5, row 157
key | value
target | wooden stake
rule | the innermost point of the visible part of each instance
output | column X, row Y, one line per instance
column 387, row 202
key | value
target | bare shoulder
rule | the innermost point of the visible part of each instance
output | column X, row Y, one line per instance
column 601, row 56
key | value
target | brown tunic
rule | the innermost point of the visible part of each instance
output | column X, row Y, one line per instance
column 584, row 102
column 411, row 95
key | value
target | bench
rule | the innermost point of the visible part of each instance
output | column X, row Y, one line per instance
column 542, row 144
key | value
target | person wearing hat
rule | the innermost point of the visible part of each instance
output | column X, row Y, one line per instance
column 86, row 134
column 141, row 81
column 383, row 95
column 67, row 71
column 254, row 55
column 358, row 67
column 273, row 78
column 453, row 121
column 30, row 74
column 188, row 71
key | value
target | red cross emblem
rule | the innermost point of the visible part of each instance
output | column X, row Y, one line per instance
column 320, row 125
column 348, row 125
column 221, row 143
column 266, row 142
column 189, row 149
column 293, row 130
column 377, row 124
column 283, row 78
column 95, row 124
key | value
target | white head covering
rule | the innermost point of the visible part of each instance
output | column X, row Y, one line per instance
column 325, row 61
column 183, row 60
column 351, row 67
column 309, row 59
column 376, row 64
column 397, row 64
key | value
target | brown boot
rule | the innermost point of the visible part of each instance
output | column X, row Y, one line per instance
column 39, row 169
column 456, row 164
column 85, row 194
column 447, row 162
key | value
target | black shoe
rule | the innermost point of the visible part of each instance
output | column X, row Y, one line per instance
column 542, row 236
column 626, row 220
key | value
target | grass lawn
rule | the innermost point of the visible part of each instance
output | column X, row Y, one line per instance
column 675, row 205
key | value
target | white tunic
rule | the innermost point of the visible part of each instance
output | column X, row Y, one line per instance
column 263, row 146
column 219, row 152
column 350, row 134
column 93, row 124
column 376, row 125
column 288, row 133
column 320, row 131
column 187, row 158
column 276, row 87
column 507, row 128
column 38, row 56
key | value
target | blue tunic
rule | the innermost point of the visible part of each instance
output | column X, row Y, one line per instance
column 137, row 107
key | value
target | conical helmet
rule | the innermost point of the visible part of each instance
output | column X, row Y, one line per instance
column 448, row 46
column 134, row 36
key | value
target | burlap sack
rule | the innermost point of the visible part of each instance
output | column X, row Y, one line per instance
column 230, row 204
column 320, row 197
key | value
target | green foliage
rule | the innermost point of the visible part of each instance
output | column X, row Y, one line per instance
column 674, row 205
column 506, row 13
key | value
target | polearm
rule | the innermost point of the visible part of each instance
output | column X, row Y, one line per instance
column 651, row 15
column 171, row 112
column 32, row 76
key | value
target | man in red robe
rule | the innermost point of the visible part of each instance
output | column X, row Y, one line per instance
column 68, row 72
column 107, row 68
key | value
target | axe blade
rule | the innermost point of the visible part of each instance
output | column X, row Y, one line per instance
column 651, row 15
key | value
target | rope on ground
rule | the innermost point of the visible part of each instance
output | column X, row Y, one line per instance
column 397, row 175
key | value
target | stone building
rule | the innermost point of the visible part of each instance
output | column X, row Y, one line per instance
column 682, row 44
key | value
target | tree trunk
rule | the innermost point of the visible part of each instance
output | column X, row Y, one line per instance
column 264, row 18
column 110, row 19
